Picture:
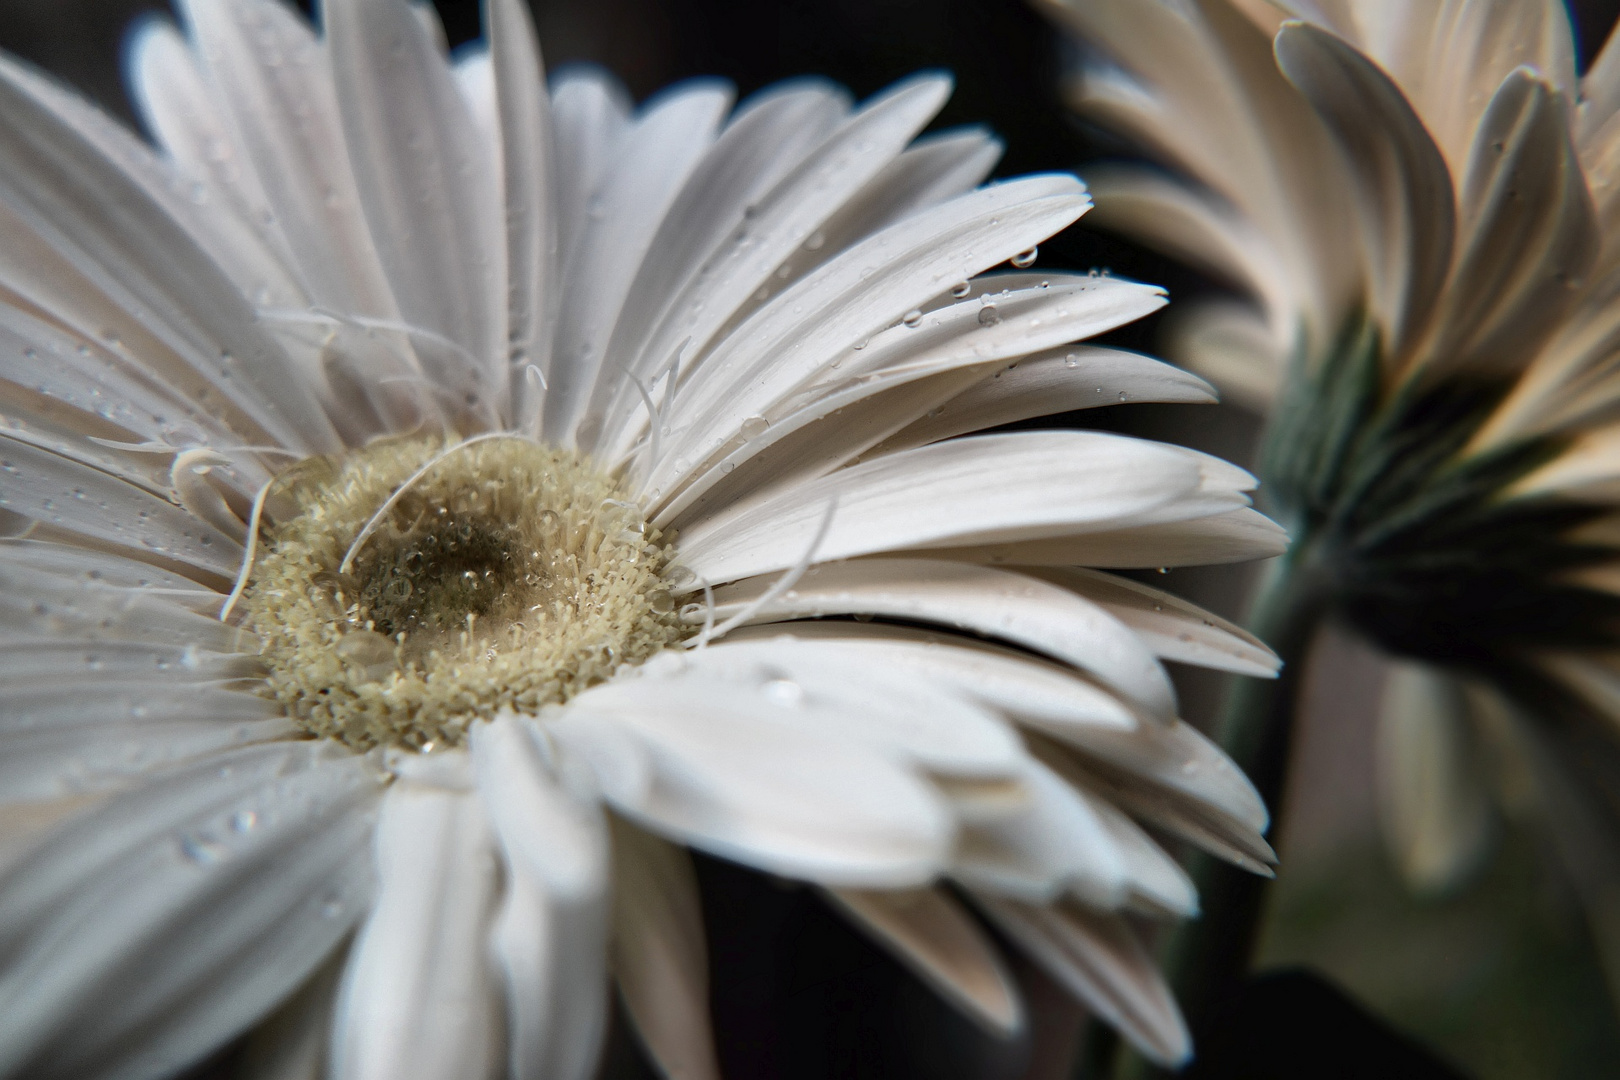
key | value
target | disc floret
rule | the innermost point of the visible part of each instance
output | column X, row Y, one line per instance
column 416, row 585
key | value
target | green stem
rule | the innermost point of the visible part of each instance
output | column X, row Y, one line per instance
column 1207, row 959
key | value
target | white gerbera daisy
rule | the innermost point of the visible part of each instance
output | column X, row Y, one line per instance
column 407, row 460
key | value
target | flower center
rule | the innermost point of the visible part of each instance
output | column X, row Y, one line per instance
column 416, row 585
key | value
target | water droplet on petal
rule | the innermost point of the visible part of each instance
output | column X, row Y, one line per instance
column 913, row 318
column 1025, row 259
column 784, row 692
column 201, row 850
column 961, row 289
column 754, row 427
column 988, row 315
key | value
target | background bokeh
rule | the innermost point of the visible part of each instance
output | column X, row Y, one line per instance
column 1498, row 979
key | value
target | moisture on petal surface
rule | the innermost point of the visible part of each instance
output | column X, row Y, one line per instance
column 443, row 497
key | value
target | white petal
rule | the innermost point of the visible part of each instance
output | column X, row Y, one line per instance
column 100, row 570
column 1180, row 760
column 935, row 168
column 994, row 603
column 236, row 236
column 182, row 112
column 59, row 491
column 1156, row 884
column 1171, row 627
column 418, row 1000
column 1059, row 380
column 1234, row 346
column 156, row 926
column 769, row 135
column 1433, row 786
column 858, row 699
column 834, row 409
column 1404, row 191
column 737, row 773
column 62, row 188
column 43, row 606
column 1099, row 960
column 424, row 182
column 274, row 87
column 1057, row 843
column 650, row 162
column 1234, row 536
column 659, row 955
column 989, row 488
column 851, row 297
column 93, row 378
column 528, row 167
column 786, row 217
column 550, row 938
column 1529, row 230
column 590, row 111
column 1194, row 226
column 291, row 1043
column 59, row 761
column 1019, row 686
column 474, row 72
column 933, row 936
column 1176, row 780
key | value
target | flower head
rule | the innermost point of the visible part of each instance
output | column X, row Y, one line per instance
column 436, row 499
column 1418, row 202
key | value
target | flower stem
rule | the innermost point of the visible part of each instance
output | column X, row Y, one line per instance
column 1207, row 959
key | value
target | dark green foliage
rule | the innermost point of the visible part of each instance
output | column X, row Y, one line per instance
column 1413, row 539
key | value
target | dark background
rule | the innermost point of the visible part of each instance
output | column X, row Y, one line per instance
column 798, row 995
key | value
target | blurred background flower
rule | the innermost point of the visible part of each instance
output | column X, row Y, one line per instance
column 1415, row 206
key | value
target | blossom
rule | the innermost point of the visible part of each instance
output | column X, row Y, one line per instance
column 1417, row 206
column 438, row 502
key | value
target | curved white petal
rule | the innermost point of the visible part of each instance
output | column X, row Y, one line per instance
column 1024, row 688
column 157, row 925
column 862, row 700
column 550, row 936
column 933, row 936
column 994, row 603
column 1099, row 960
column 1171, row 627
column 660, row 958
column 419, row 998
column 736, row 771
column 989, row 488
column 424, row 183
column 273, row 85
column 59, row 188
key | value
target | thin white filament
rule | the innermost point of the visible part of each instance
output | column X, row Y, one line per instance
column 672, row 373
column 197, row 495
column 430, row 398
column 152, row 447
column 655, row 419
column 668, row 374
column 702, row 639
column 250, row 548
column 325, row 316
column 376, row 520
column 534, row 402
column 789, row 579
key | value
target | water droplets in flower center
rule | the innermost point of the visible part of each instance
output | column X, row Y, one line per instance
column 414, row 586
